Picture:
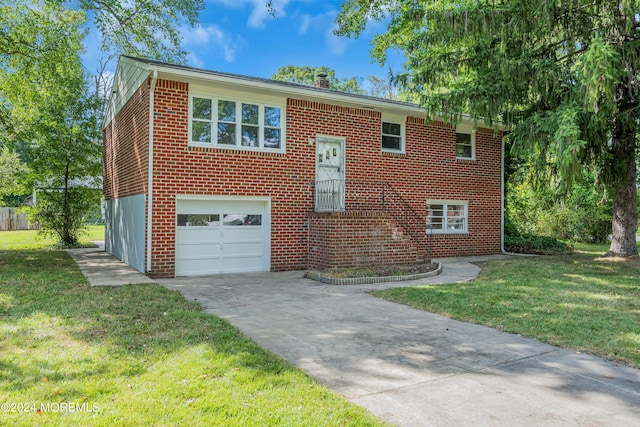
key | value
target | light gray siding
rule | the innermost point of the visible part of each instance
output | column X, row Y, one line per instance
column 125, row 229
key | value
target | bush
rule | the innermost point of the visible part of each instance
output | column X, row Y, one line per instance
column 584, row 214
column 533, row 244
column 63, row 212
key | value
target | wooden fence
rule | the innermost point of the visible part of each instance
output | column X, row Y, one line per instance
column 10, row 219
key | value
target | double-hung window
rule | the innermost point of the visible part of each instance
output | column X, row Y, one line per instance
column 465, row 142
column 232, row 123
column 447, row 216
column 392, row 134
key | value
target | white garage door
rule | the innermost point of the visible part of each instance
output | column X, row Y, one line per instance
column 221, row 236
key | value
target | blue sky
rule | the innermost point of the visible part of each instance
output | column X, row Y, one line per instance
column 240, row 36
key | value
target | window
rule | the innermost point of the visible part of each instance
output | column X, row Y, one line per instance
column 230, row 123
column 227, row 122
column 446, row 216
column 242, row 219
column 201, row 120
column 198, row 220
column 392, row 135
column 250, row 127
column 465, row 143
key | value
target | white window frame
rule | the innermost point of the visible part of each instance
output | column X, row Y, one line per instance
column 445, row 218
column 466, row 129
column 395, row 119
column 262, row 127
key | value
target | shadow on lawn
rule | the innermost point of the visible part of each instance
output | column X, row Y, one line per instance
column 46, row 303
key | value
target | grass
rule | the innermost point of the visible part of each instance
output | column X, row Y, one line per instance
column 137, row 355
column 31, row 239
column 579, row 301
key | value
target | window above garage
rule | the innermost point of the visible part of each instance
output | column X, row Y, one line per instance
column 230, row 123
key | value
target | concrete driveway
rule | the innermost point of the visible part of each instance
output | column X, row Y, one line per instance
column 415, row 368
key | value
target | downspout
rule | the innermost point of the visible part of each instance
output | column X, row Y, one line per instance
column 152, row 88
column 502, row 207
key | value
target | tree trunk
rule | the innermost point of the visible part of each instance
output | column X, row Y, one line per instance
column 67, row 240
column 625, row 216
column 623, row 150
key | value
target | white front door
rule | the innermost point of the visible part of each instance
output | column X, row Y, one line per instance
column 330, row 183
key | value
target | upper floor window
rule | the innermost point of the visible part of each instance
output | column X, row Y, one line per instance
column 392, row 134
column 447, row 216
column 465, row 142
column 231, row 123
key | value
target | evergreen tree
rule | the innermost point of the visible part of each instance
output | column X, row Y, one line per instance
column 561, row 76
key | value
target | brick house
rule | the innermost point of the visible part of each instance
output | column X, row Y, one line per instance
column 233, row 173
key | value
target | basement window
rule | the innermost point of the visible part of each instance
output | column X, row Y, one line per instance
column 447, row 216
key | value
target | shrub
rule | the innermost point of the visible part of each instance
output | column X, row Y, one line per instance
column 533, row 244
column 584, row 214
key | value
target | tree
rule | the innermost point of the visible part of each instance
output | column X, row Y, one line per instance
column 562, row 77
column 47, row 111
column 54, row 122
column 64, row 152
column 381, row 87
column 146, row 28
column 307, row 75
column 11, row 168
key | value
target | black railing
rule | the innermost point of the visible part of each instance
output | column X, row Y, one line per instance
column 338, row 195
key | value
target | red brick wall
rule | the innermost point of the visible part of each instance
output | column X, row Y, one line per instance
column 358, row 239
column 126, row 148
column 428, row 170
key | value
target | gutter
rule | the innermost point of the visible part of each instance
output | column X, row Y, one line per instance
column 152, row 88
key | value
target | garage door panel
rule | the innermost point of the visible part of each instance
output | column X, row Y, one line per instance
column 242, row 264
column 201, row 250
column 198, row 267
column 231, row 234
column 246, row 249
column 221, row 236
column 193, row 236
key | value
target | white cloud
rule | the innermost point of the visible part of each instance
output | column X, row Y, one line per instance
column 336, row 45
column 324, row 25
column 259, row 12
column 195, row 61
column 305, row 22
column 316, row 23
column 211, row 37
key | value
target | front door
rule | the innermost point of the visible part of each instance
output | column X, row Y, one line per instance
column 330, row 173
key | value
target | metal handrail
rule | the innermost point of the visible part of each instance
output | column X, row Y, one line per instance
column 359, row 195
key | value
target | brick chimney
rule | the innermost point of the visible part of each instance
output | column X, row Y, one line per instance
column 322, row 81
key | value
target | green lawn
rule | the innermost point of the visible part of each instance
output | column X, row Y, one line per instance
column 30, row 239
column 136, row 355
column 579, row 301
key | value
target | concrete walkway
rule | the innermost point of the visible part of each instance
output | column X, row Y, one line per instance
column 103, row 269
column 415, row 368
